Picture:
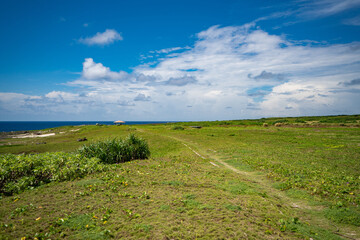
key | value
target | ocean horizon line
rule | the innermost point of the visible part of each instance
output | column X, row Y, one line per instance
column 10, row 126
column 88, row 121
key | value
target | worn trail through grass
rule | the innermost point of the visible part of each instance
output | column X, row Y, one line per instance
column 309, row 212
column 218, row 182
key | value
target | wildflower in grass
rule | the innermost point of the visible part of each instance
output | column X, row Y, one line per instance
column 87, row 226
column 38, row 219
column 104, row 222
column 23, row 238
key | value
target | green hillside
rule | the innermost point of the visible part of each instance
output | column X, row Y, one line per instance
column 239, row 179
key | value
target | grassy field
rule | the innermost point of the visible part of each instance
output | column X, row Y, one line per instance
column 227, row 180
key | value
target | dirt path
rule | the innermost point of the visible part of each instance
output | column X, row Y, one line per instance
column 308, row 212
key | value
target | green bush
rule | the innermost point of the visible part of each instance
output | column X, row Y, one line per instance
column 299, row 121
column 117, row 150
column 280, row 121
column 177, row 128
column 20, row 172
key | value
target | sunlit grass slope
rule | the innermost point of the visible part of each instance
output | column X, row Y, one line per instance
column 291, row 183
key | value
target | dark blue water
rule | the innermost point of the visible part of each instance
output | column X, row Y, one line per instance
column 6, row 126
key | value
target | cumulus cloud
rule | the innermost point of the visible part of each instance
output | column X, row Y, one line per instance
column 229, row 73
column 97, row 71
column 230, row 58
column 105, row 38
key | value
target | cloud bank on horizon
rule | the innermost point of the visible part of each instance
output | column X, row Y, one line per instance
column 230, row 72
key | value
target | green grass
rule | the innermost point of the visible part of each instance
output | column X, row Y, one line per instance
column 343, row 120
column 175, row 194
column 343, row 215
column 65, row 139
column 321, row 161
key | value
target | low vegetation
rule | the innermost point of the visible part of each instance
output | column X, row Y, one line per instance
column 311, row 121
column 299, row 180
column 177, row 128
column 117, row 150
column 20, row 172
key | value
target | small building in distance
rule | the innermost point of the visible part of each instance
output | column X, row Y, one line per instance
column 119, row 122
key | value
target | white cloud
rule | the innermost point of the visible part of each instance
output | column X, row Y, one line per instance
column 324, row 8
column 307, row 10
column 105, row 38
column 12, row 102
column 156, row 53
column 224, row 57
column 62, row 96
column 96, row 71
column 230, row 73
column 168, row 50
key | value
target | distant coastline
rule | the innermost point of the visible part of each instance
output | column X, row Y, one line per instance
column 8, row 126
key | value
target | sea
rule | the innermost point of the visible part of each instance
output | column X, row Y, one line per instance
column 8, row 126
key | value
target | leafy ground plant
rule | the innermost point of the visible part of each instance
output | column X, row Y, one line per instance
column 20, row 172
column 117, row 150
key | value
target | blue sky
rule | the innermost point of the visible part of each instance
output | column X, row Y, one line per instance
column 178, row 60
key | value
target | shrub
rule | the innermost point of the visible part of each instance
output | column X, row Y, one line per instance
column 20, row 172
column 177, row 128
column 281, row 121
column 117, row 150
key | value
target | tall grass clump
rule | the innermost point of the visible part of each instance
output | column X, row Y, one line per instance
column 117, row 150
column 20, row 172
